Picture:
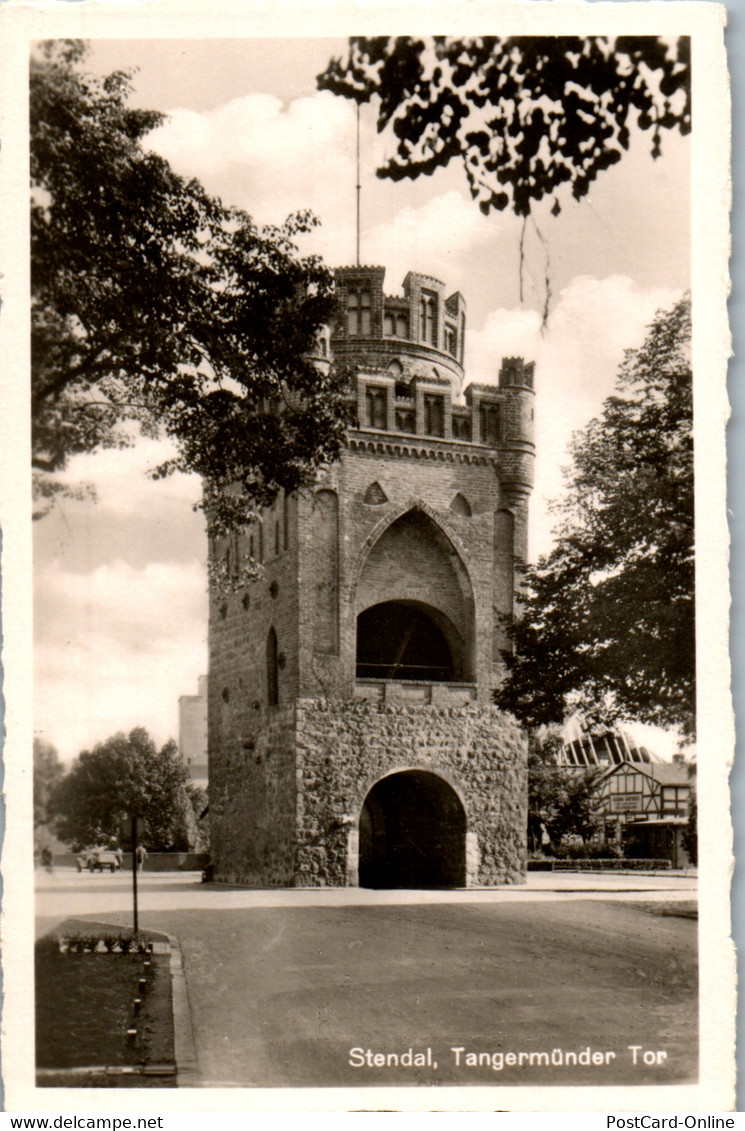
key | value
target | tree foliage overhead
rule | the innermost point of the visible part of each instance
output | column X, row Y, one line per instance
column 608, row 619
column 525, row 115
column 125, row 775
column 154, row 303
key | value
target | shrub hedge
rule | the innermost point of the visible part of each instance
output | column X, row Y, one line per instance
column 613, row 864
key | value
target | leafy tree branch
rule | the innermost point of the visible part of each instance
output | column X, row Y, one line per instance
column 607, row 624
column 169, row 311
column 525, row 115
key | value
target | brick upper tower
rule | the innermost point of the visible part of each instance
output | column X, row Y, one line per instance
column 352, row 733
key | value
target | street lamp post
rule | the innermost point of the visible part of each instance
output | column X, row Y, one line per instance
column 134, row 836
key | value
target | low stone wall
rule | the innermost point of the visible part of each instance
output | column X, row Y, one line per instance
column 156, row 861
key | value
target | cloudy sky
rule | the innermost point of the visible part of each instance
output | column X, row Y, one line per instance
column 120, row 615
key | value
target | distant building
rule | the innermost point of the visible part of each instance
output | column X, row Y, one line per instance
column 644, row 799
column 192, row 733
column 649, row 804
column 583, row 750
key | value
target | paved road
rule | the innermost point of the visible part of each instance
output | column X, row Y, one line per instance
column 65, row 892
column 285, row 984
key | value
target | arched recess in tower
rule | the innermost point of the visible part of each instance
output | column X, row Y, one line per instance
column 412, row 833
column 415, row 607
column 407, row 640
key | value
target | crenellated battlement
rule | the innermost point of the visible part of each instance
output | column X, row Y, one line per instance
column 517, row 372
column 408, row 353
column 421, row 329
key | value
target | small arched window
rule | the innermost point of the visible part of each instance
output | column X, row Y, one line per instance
column 272, row 671
column 358, row 312
column 376, row 403
column 428, row 318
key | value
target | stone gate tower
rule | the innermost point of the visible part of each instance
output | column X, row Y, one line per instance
column 352, row 736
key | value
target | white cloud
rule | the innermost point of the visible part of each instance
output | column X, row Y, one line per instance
column 117, row 647
column 121, row 480
column 406, row 242
column 269, row 157
column 259, row 131
column 272, row 158
column 577, row 359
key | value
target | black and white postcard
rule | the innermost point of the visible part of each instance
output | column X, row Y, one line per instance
column 365, row 585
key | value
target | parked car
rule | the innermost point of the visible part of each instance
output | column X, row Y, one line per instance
column 98, row 859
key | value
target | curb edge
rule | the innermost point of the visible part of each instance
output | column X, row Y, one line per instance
column 185, row 1049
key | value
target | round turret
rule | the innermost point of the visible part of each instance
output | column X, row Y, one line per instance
column 517, row 462
column 417, row 334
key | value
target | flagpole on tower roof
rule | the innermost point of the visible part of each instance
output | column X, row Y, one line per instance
column 359, row 189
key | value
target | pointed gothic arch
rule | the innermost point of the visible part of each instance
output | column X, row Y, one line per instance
column 414, row 603
column 460, row 505
column 392, row 516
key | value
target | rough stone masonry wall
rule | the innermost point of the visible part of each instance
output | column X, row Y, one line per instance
column 342, row 749
column 252, row 805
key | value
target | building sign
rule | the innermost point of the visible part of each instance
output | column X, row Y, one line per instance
column 625, row 802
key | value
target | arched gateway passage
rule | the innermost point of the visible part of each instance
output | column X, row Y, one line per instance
column 412, row 833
